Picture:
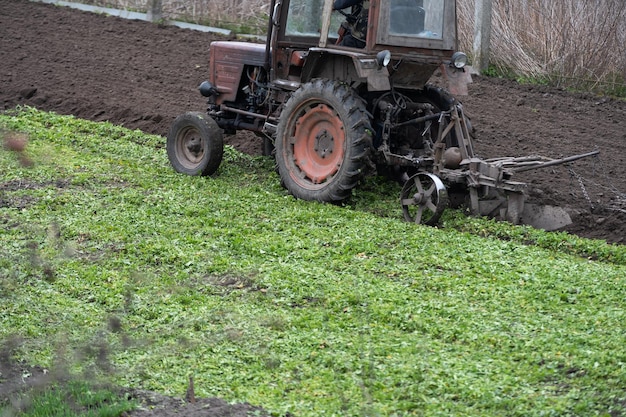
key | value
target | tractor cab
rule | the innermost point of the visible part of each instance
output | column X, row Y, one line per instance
column 413, row 37
column 421, row 24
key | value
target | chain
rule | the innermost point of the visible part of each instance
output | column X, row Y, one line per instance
column 619, row 198
column 574, row 174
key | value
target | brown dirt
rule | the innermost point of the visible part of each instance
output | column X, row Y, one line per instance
column 142, row 76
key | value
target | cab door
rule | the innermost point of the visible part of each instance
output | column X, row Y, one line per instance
column 301, row 25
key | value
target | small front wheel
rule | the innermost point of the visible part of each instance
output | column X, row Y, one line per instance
column 195, row 144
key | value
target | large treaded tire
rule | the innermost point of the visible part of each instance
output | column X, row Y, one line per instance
column 323, row 141
column 195, row 144
column 442, row 98
column 439, row 96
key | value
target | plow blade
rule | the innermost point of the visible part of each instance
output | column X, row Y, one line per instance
column 545, row 217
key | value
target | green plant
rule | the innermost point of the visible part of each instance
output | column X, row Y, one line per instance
column 146, row 276
column 72, row 398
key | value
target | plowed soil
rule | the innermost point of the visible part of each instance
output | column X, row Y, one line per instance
column 142, row 75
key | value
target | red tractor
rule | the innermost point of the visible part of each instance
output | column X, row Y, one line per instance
column 329, row 112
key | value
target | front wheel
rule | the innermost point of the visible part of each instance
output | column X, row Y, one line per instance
column 323, row 141
column 195, row 144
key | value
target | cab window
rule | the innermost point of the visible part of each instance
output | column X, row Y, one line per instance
column 428, row 24
column 304, row 19
column 416, row 18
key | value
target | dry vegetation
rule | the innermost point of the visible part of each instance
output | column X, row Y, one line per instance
column 573, row 43
column 242, row 16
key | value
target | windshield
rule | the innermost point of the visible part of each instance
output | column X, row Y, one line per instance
column 406, row 23
column 305, row 18
column 417, row 18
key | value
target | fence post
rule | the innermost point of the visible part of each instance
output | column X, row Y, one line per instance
column 155, row 10
column 482, row 34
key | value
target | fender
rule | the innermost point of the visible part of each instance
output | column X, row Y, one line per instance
column 351, row 66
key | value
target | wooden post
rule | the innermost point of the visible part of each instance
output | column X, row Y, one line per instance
column 155, row 10
column 482, row 34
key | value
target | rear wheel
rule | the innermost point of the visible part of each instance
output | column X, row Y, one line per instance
column 195, row 144
column 323, row 141
column 444, row 101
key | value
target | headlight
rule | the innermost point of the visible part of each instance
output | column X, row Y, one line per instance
column 459, row 60
column 383, row 58
column 207, row 89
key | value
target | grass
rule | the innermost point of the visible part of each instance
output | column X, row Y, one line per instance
column 142, row 276
column 72, row 399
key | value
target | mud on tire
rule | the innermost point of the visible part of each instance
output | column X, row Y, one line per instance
column 323, row 141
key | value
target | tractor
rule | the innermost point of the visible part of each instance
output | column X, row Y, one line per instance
column 330, row 113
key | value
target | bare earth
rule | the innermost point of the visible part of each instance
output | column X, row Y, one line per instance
column 142, row 76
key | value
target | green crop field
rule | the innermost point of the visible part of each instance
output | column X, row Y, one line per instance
column 112, row 263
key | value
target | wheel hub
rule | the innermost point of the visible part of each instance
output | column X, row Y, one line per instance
column 419, row 198
column 194, row 146
column 318, row 143
column 191, row 148
column 324, row 144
